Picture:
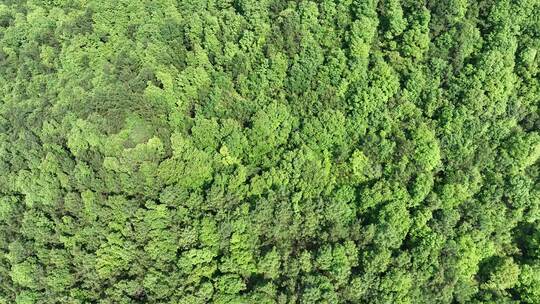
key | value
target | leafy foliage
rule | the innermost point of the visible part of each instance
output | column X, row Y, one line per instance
column 242, row 151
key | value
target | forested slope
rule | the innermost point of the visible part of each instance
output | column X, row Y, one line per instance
column 269, row 151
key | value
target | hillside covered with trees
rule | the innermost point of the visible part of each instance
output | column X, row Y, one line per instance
column 269, row 151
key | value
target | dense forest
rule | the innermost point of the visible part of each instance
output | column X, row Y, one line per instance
column 269, row 151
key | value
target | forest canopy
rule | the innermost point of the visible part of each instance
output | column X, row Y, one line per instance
column 269, row 151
